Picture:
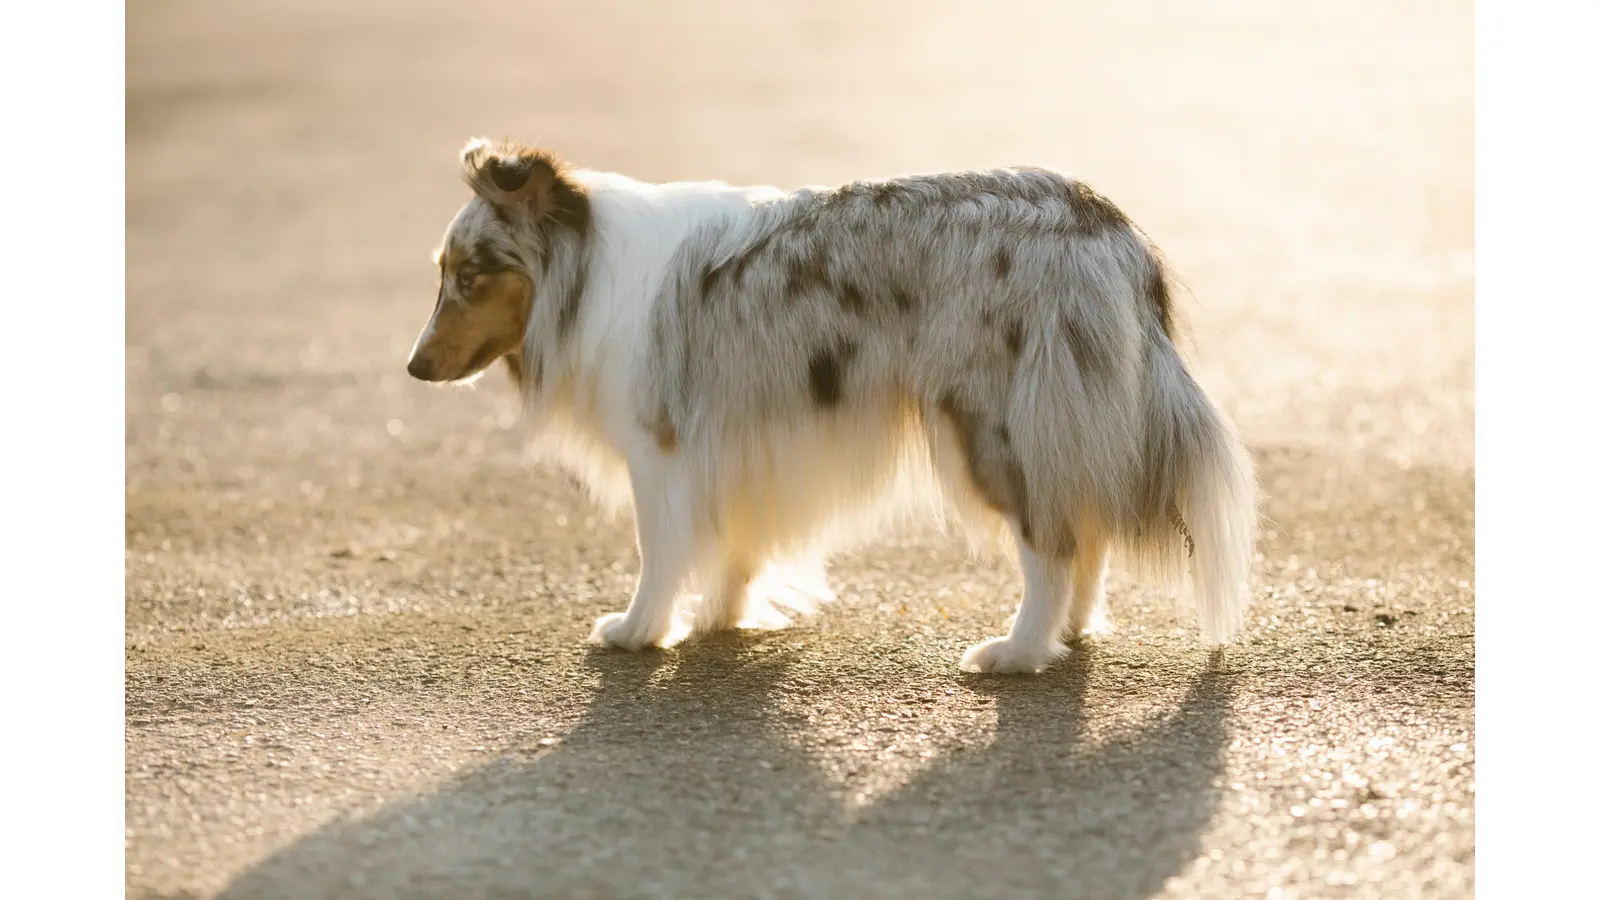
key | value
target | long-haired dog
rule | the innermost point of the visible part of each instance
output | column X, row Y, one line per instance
column 763, row 374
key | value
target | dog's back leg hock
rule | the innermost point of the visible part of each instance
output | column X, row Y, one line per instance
column 1034, row 641
column 668, row 546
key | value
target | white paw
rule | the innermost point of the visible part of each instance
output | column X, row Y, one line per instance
column 1003, row 656
column 761, row 615
column 1099, row 626
column 614, row 630
column 796, row 588
column 758, row 615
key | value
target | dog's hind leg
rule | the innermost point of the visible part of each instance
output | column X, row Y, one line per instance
column 669, row 543
column 1035, row 638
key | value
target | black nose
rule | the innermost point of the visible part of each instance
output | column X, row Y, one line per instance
column 420, row 368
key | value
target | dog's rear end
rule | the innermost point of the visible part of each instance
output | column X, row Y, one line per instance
column 1096, row 440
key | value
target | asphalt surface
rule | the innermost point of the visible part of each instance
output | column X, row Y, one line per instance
column 355, row 611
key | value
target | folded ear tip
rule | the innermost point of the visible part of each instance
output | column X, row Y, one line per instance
column 508, row 176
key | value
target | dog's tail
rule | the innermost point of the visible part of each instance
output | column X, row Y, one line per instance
column 1196, row 497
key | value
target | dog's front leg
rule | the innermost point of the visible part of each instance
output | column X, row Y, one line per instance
column 667, row 548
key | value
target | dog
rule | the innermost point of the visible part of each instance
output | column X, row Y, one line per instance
column 764, row 375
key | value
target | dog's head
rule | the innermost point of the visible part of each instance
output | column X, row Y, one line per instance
column 495, row 252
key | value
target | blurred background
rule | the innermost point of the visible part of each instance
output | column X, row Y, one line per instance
column 1307, row 168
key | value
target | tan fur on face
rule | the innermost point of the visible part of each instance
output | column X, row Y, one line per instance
column 466, row 335
column 499, row 255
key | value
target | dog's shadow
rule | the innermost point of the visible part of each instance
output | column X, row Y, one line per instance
column 1043, row 811
column 686, row 783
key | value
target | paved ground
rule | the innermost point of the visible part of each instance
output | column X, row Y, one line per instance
column 355, row 613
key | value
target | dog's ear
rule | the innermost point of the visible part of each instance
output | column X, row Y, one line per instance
column 512, row 177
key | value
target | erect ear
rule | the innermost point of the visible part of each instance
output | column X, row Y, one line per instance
column 511, row 176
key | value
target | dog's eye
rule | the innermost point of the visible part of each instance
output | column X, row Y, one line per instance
column 464, row 280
